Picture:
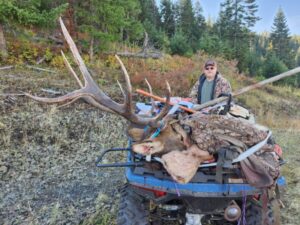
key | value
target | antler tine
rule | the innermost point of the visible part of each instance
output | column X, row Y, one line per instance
column 122, row 90
column 151, row 92
column 68, row 97
column 167, row 105
column 86, row 75
column 87, row 99
column 127, row 79
column 128, row 93
column 71, row 69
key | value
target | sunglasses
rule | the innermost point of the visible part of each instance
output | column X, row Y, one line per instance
column 209, row 68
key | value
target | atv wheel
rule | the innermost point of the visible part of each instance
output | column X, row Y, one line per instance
column 133, row 208
column 254, row 214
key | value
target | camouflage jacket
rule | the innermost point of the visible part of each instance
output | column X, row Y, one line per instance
column 221, row 85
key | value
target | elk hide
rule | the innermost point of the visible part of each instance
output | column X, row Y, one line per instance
column 182, row 165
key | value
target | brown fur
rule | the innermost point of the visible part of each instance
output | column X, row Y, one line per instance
column 169, row 139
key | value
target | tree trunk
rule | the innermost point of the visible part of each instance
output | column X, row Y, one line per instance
column 3, row 49
column 70, row 19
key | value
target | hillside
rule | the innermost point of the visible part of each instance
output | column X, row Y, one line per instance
column 47, row 153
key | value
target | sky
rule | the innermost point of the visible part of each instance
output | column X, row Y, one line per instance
column 267, row 10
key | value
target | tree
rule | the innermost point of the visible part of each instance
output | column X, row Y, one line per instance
column 236, row 17
column 150, row 18
column 168, row 17
column 30, row 12
column 191, row 22
column 150, row 12
column 186, row 17
column 281, row 39
column 224, row 21
column 199, row 27
column 251, row 10
column 106, row 21
column 133, row 28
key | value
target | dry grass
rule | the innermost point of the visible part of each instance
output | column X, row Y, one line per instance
column 50, row 152
column 289, row 141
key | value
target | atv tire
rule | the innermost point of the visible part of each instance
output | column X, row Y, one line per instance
column 254, row 214
column 133, row 208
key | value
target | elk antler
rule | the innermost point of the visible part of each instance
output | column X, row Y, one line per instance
column 152, row 100
column 95, row 96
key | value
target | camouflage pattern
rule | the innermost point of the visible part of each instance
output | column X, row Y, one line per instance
column 212, row 132
column 222, row 86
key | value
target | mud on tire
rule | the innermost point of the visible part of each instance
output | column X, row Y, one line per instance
column 133, row 208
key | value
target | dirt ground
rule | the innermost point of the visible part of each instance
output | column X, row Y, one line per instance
column 47, row 159
column 47, row 156
column 47, row 169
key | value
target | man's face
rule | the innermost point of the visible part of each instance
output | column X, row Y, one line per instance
column 210, row 71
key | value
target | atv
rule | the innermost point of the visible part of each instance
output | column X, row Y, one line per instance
column 217, row 195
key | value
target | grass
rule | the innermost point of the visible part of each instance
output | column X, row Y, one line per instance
column 289, row 141
column 46, row 144
column 100, row 218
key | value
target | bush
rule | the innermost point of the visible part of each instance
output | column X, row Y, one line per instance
column 254, row 64
column 179, row 45
column 273, row 66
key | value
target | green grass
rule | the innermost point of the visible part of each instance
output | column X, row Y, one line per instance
column 289, row 141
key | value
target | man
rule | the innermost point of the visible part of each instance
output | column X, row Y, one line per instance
column 211, row 84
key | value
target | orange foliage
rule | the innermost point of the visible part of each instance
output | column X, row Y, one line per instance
column 175, row 70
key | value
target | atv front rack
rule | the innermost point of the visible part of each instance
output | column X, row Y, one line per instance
column 129, row 163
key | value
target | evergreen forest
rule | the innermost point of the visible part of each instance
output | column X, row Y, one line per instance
column 172, row 27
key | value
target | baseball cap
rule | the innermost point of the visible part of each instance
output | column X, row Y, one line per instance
column 210, row 62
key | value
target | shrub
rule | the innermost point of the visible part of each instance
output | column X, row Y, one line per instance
column 179, row 45
column 273, row 66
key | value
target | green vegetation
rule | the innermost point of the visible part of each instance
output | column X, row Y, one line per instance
column 56, row 148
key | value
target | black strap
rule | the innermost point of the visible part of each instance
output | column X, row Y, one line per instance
column 228, row 104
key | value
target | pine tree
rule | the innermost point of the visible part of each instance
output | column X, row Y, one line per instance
column 150, row 12
column 187, row 18
column 150, row 18
column 251, row 10
column 26, row 13
column 200, row 25
column 168, row 17
column 236, row 17
column 280, row 38
column 224, row 22
column 133, row 28
column 107, row 21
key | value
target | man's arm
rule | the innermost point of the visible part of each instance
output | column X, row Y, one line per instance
column 194, row 93
column 222, row 87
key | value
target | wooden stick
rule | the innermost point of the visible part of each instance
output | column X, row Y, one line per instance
column 249, row 88
column 162, row 100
